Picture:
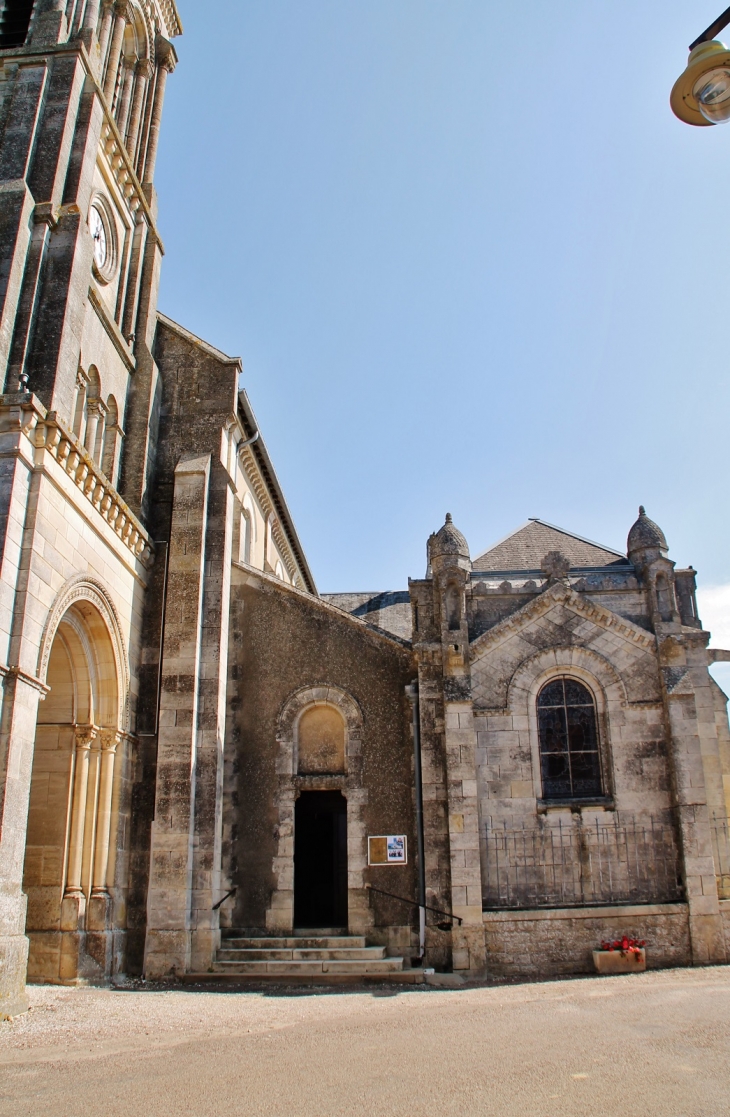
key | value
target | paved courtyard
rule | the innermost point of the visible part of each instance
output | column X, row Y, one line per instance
column 650, row 1044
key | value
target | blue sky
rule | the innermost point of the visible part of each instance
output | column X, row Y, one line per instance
column 470, row 260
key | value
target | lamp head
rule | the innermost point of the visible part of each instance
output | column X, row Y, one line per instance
column 701, row 95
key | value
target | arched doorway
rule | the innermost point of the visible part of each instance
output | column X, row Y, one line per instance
column 320, row 861
column 74, row 817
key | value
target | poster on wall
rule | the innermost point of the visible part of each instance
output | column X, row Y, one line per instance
column 388, row 849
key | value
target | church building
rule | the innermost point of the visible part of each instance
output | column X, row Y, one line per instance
column 208, row 768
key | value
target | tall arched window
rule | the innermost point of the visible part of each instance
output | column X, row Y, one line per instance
column 569, row 756
column 245, row 547
column 14, row 22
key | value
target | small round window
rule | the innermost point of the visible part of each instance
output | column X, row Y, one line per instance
column 101, row 228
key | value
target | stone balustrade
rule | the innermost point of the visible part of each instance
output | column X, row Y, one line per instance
column 77, row 463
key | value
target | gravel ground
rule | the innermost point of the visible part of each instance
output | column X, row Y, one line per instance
column 645, row 1045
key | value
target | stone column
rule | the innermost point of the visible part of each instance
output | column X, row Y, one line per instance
column 109, row 741
column 85, row 735
column 166, row 59
column 93, row 418
column 122, row 111
column 169, row 897
column 99, row 935
column 115, row 51
column 106, row 27
column 142, row 77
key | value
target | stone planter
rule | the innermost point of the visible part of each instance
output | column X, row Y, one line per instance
column 616, row 961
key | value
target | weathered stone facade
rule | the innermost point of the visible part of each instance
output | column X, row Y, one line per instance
column 194, row 743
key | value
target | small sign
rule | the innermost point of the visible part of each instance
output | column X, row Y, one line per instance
column 388, row 849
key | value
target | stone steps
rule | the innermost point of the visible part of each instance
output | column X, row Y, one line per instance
column 294, row 942
column 308, row 954
column 356, row 967
column 302, row 957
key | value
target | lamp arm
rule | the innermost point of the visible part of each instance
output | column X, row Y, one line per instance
column 714, row 29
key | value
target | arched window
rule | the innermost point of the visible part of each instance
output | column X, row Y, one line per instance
column 321, row 740
column 14, row 22
column 245, row 548
column 569, row 757
column 664, row 598
column 453, row 608
column 112, row 441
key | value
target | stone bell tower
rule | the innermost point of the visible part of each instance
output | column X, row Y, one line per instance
column 82, row 84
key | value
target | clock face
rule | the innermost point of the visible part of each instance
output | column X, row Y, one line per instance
column 98, row 232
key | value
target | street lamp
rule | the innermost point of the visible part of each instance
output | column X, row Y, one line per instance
column 701, row 95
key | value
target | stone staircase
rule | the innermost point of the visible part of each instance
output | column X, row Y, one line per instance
column 313, row 956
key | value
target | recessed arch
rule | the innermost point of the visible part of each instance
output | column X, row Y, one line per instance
column 102, row 618
column 321, row 703
column 587, row 664
column 75, row 818
column 321, row 739
column 589, row 669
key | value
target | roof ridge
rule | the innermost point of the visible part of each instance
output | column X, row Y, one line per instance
column 574, row 535
column 553, row 527
column 506, row 537
column 188, row 335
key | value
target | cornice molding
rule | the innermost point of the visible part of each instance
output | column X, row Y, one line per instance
column 271, row 582
column 560, row 594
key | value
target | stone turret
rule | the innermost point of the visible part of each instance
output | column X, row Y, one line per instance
column 646, row 540
column 448, row 542
column 648, row 551
column 450, row 565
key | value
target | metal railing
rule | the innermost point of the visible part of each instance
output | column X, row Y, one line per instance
column 721, row 854
column 573, row 864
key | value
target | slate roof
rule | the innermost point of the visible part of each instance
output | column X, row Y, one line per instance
column 525, row 549
column 390, row 611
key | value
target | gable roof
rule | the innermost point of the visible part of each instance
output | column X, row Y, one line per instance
column 559, row 594
column 525, row 549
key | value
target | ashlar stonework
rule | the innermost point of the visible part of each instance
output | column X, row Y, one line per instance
column 196, row 746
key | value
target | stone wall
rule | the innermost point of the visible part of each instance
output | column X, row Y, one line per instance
column 281, row 641
column 557, row 942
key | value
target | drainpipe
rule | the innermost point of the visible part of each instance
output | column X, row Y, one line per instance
column 412, row 693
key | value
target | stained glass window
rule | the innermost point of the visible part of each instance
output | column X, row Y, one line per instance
column 569, row 758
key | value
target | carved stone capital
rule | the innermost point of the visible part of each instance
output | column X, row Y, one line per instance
column 85, row 736
column 165, row 54
column 110, row 738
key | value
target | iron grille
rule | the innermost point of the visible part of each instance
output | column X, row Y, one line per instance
column 627, row 861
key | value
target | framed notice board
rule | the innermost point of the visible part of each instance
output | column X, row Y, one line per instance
column 388, row 849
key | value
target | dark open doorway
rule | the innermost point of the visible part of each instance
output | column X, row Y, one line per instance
column 320, row 860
